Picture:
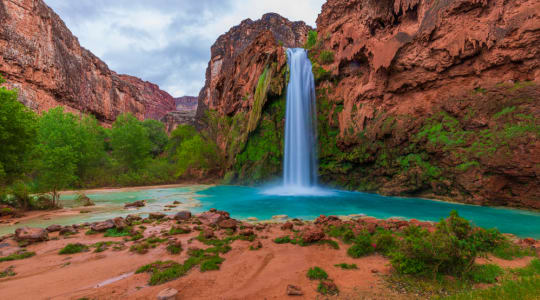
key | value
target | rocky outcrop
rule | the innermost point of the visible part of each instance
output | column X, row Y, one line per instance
column 42, row 59
column 433, row 98
column 239, row 57
column 186, row 103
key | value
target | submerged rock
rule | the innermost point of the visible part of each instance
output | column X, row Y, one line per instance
column 31, row 235
column 136, row 204
column 54, row 228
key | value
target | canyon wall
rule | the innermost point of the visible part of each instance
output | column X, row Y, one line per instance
column 42, row 59
column 433, row 98
column 428, row 98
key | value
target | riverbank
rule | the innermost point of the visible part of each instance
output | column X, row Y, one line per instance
column 255, row 260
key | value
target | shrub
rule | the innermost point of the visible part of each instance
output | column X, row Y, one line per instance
column 327, row 287
column 211, row 264
column 509, row 251
column 326, row 57
column 115, row 232
column 532, row 269
column 316, row 273
column 140, row 248
column 362, row 246
column 385, row 242
column 73, row 248
column 343, row 232
column 174, row 249
column 311, row 40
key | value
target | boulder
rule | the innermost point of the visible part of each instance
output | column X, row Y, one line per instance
column 102, row 226
column 119, row 223
column 132, row 218
column 135, row 204
column 31, row 235
column 182, row 215
column 156, row 216
column 177, row 202
column 167, row 294
column 211, row 218
column 287, row 226
column 246, row 232
column 228, row 224
column 68, row 230
column 54, row 228
column 312, row 234
column 293, row 290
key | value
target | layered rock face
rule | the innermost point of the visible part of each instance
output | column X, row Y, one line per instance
column 41, row 57
column 243, row 96
column 431, row 97
column 238, row 58
column 186, row 103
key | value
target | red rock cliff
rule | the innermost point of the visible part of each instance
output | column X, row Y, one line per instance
column 42, row 58
column 237, row 62
column 432, row 97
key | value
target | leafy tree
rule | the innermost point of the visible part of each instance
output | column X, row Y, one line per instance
column 92, row 147
column 130, row 142
column 196, row 153
column 59, row 150
column 158, row 136
column 180, row 134
column 17, row 135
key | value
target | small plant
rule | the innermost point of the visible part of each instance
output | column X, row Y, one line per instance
column 73, row 248
column 385, row 242
column 140, row 248
column 115, row 232
column 91, row 232
column 179, row 230
column 345, row 266
column 8, row 272
column 362, row 246
column 532, row 269
column 327, row 287
column 211, row 263
column 162, row 272
column 510, row 251
column 174, row 249
column 330, row 243
column 316, row 273
column 22, row 255
column 326, row 57
column 485, row 273
column 282, row 240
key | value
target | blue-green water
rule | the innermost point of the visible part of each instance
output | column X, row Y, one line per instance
column 243, row 202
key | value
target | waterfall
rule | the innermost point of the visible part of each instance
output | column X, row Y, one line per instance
column 300, row 168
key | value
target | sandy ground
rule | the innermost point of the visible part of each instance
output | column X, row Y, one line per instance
column 245, row 274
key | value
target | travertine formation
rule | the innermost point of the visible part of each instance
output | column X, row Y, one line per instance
column 42, row 58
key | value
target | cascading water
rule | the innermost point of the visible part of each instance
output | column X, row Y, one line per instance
column 300, row 168
column 300, row 163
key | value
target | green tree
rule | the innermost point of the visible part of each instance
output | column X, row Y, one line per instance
column 92, row 146
column 59, row 150
column 179, row 135
column 130, row 142
column 196, row 153
column 158, row 136
column 17, row 135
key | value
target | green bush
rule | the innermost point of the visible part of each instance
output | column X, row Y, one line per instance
column 362, row 246
column 385, row 242
column 282, row 240
column 316, row 273
column 16, row 256
column 326, row 57
column 115, row 232
column 311, row 40
column 345, row 266
column 73, row 248
column 509, row 251
column 174, row 249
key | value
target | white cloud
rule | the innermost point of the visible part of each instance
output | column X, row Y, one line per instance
column 167, row 41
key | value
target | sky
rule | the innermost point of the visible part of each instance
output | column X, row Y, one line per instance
column 167, row 42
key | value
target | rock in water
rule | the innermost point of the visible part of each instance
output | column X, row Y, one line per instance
column 54, row 228
column 136, row 204
column 168, row 294
column 31, row 235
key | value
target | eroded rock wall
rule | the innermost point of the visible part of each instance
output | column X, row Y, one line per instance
column 42, row 58
column 436, row 98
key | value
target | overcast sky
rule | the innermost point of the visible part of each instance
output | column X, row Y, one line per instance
column 166, row 42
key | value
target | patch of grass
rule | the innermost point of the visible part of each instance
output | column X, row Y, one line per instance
column 8, row 272
column 522, row 289
column 327, row 289
column 504, row 111
column 343, row 232
column 163, row 272
column 17, row 256
column 326, row 57
column 530, row 270
column 73, row 248
column 316, row 273
column 101, row 246
column 212, row 263
column 91, row 232
column 427, row 287
column 140, row 248
column 282, row 240
column 485, row 273
column 114, row 232
column 510, row 251
column 345, row 266
column 174, row 249
column 179, row 230
column 330, row 243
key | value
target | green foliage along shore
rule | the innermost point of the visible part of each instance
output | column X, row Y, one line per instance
column 60, row 150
